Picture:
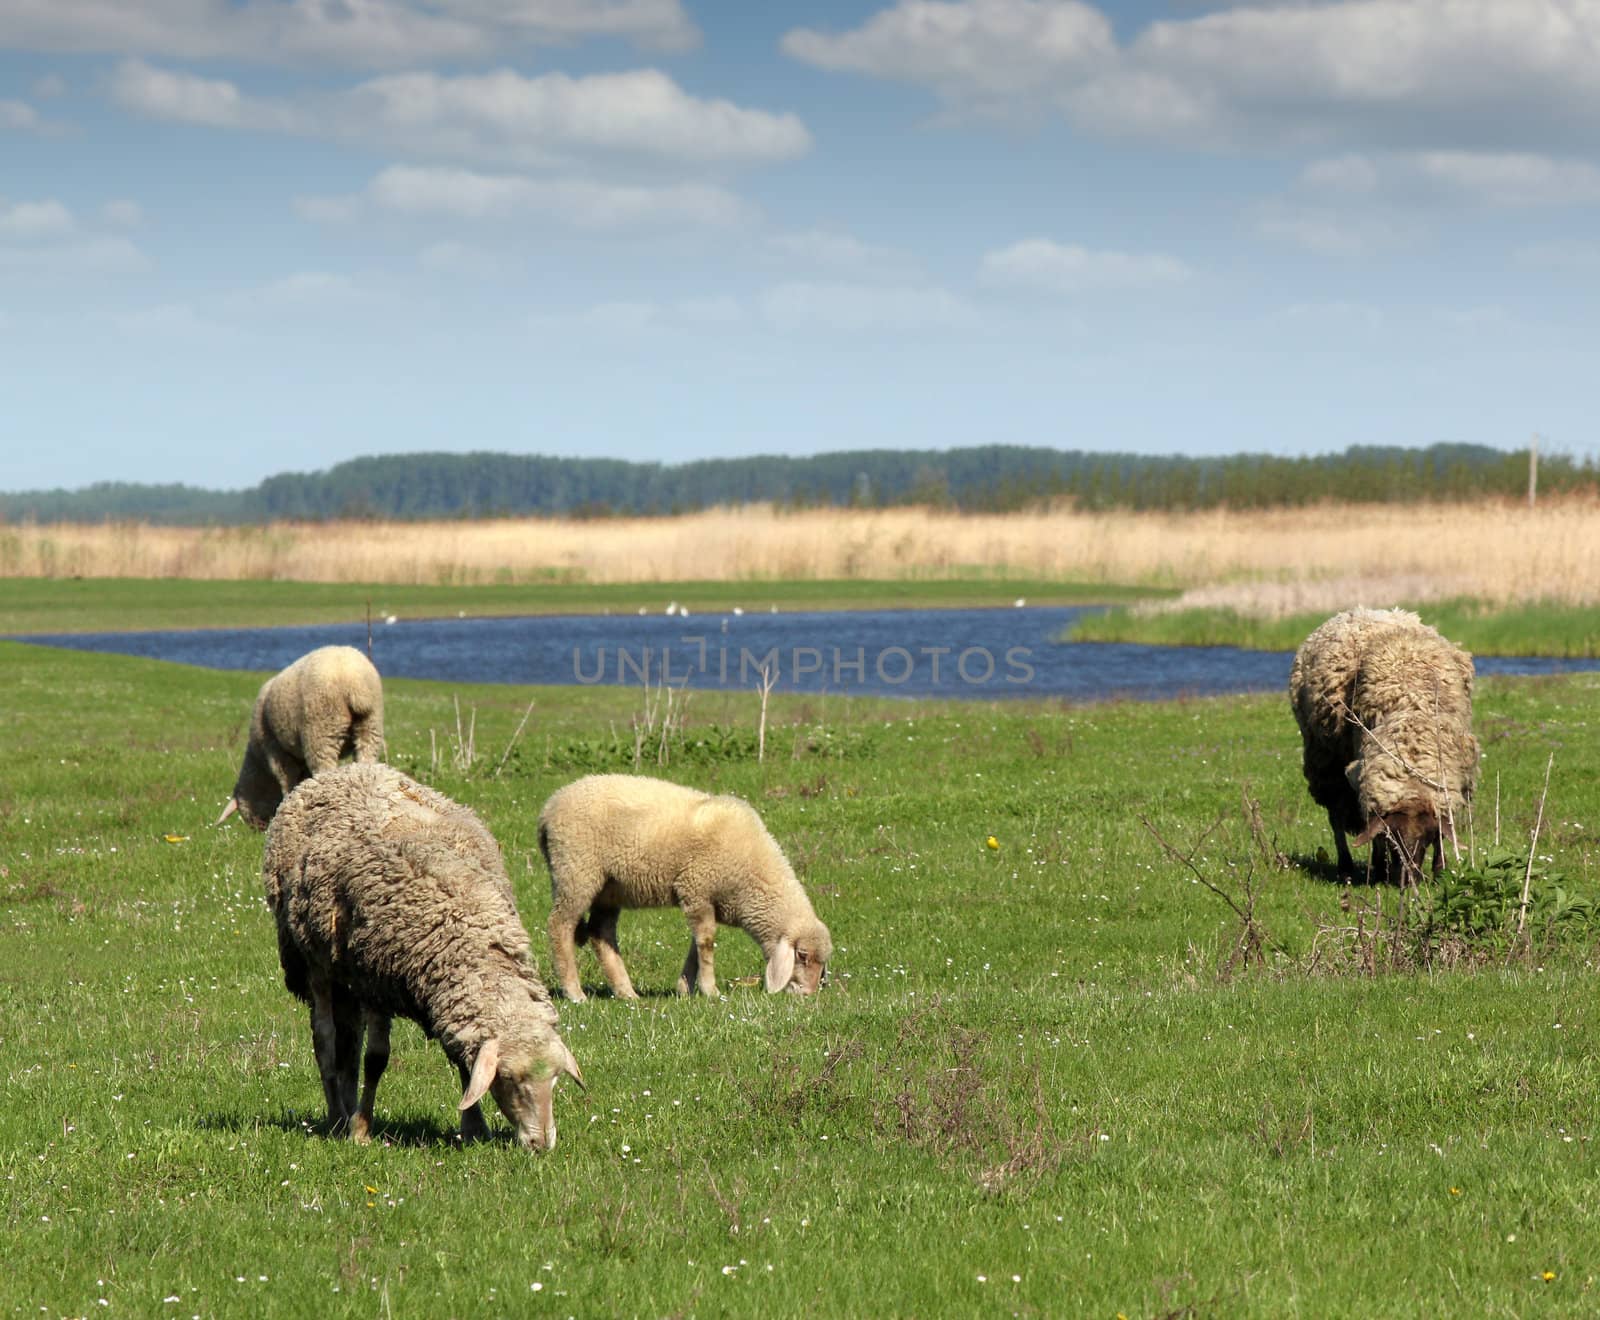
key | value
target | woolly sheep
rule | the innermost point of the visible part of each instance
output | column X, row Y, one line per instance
column 1384, row 705
column 392, row 899
column 307, row 716
column 627, row 841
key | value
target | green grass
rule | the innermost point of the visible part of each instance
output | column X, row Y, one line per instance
column 1556, row 630
column 1025, row 1091
column 60, row 605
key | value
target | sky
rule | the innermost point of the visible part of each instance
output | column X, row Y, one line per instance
column 241, row 237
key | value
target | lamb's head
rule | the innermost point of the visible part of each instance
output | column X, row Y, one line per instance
column 257, row 795
column 800, row 959
column 521, row 1072
column 1401, row 839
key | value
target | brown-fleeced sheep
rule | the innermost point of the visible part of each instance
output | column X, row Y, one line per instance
column 629, row 841
column 1384, row 705
column 307, row 716
column 392, row 899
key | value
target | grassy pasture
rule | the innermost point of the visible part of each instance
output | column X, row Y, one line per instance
column 1027, row 1090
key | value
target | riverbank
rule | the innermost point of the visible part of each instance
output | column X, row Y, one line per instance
column 41, row 605
column 1567, row 631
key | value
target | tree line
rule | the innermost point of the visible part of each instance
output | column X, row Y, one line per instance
column 986, row 477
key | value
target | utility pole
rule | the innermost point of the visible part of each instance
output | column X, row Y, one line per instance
column 1533, row 469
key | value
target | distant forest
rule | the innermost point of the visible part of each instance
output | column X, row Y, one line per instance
column 989, row 477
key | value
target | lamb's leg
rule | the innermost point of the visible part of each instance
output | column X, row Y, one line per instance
column 570, row 898
column 377, row 1059
column 703, row 931
column 603, row 935
column 348, row 1029
column 324, row 1041
column 1347, row 863
column 691, row 969
column 473, row 1125
column 366, row 737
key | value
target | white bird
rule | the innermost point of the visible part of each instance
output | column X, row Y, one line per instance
column 738, row 609
column 642, row 610
column 672, row 608
column 1020, row 601
column 389, row 618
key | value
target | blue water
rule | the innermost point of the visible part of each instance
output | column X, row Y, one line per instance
column 984, row 653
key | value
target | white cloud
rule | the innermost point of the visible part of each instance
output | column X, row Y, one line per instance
column 48, row 86
column 719, row 310
column 328, row 210
column 190, row 99
column 459, row 260
column 348, row 33
column 1473, row 74
column 1578, row 257
column 1331, row 232
column 35, row 220
column 861, row 308
column 78, row 256
column 19, row 115
column 829, row 250
column 1511, row 180
column 1350, row 175
column 506, row 116
column 1040, row 264
column 465, row 195
column 501, row 117
column 122, row 212
column 308, row 288
column 980, row 53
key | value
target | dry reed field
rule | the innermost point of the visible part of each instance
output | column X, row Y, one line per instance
column 1261, row 561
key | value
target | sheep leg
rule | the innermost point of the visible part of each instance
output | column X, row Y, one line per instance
column 324, row 1041
column 703, row 939
column 1347, row 863
column 376, row 1060
column 473, row 1125
column 366, row 736
column 348, row 1029
column 603, row 935
column 568, row 903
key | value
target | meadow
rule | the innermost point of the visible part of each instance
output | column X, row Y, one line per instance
column 1054, row 1072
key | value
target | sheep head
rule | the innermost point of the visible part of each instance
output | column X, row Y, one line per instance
column 1401, row 839
column 257, row 795
column 799, row 961
column 522, row 1078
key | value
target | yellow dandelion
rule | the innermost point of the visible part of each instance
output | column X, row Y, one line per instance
column 1455, row 1191
column 371, row 1191
column 991, row 842
column 1548, row 1275
column 176, row 838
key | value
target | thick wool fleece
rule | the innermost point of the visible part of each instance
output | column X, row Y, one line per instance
column 390, row 894
column 307, row 716
column 629, row 841
column 1412, row 690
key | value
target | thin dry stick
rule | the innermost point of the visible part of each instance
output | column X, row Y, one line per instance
column 1497, row 809
column 769, row 679
column 513, row 741
column 1533, row 845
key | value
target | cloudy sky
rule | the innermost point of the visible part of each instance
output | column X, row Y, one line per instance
column 240, row 237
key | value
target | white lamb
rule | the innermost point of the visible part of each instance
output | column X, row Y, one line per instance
column 628, row 841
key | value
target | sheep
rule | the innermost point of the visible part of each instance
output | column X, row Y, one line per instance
column 392, row 899
column 628, row 841
column 1384, row 705
column 307, row 716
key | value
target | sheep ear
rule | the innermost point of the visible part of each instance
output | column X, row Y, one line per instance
column 1352, row 775
column 482, row 1072
column 233, row 806
column 570, row 1066
column 780, row 967
column 1374, row 828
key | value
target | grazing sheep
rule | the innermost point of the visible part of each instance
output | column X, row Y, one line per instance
column 1384, row 705
column 627, row 841
column 327, row 703
column 392, row 899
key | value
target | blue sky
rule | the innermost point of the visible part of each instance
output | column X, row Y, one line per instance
column 239, row 237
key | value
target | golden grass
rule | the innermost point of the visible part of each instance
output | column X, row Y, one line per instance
column 1290, row 558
